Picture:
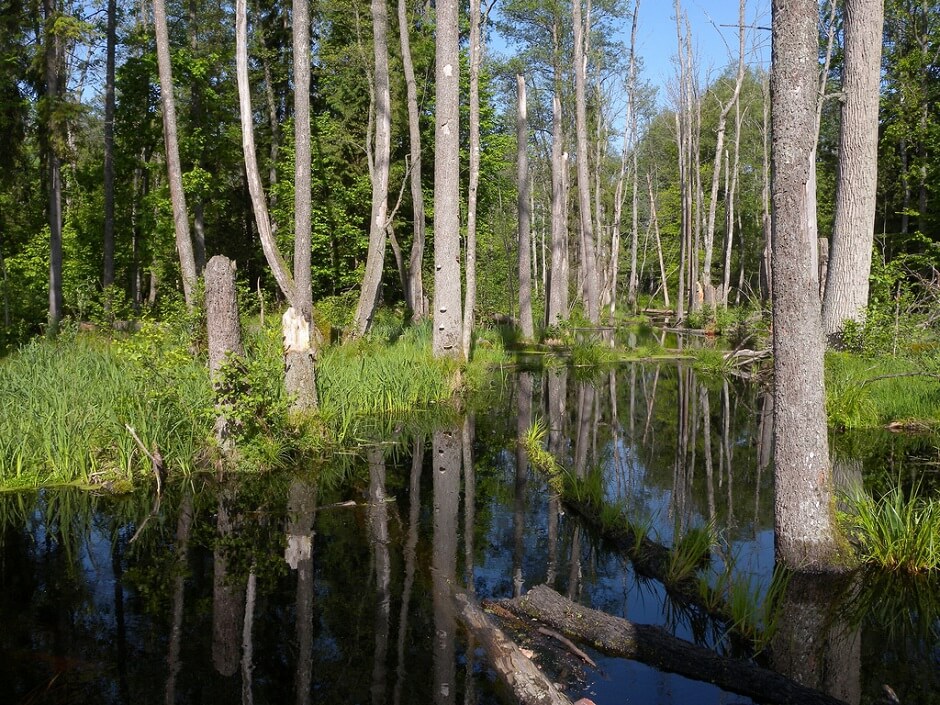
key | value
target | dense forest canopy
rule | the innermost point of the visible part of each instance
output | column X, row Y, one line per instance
column 671, row 220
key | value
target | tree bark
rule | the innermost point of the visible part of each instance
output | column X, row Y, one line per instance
column 528, row 684
column 414, row 293
column 447, row 313
column 224, row 334
column 525, row 215
column 300, row 350
column 592, row 303
column 470, row 294
column 54, row 79
column 184, row 243
column 857, row 175
column 656, row 647
column 804, row 521
column 375, row 260
column 107, row 275
column 557, row 309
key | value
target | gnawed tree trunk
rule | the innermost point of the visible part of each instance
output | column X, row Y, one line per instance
column 525, row 215
column 470, row 274
column 375, row 260
column 656, row 647
column 184, row 243
column 853, row 229
column 414, row 291
column 224, row 334
column 804, row 521
column 447, row 304
column 299, row 340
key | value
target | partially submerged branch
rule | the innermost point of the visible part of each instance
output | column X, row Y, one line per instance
column 656, row 647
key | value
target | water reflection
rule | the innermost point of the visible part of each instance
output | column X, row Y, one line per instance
column 222, row 594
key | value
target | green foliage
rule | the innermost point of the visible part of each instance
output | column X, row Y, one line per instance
column 65, row 406
column 690, row 553
column 898, row 531
column 848, row 400
column 541, row 459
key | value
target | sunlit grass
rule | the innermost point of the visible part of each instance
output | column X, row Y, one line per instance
column 897, row 532
column 65, row 407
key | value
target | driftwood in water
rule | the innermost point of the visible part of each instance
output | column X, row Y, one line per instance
column 528, row 684
column 656, row 647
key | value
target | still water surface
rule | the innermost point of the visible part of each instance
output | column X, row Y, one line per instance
column 332, row 584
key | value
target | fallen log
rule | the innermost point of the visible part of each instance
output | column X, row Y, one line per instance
column 528, row 684
column 656, row 647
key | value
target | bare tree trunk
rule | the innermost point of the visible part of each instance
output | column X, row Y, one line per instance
column 195, row 112
column 853, row 229
column 375, row 260
column 635, row 174
column 659, row 244
column 107, row 275
column 525, row 214
column 716, row 164
column 54, row 78
column 729, row 207
column 805, row 528
column 588, row 255
column 447, row 315
column 224, row 335
column 414, row 293
column 470, row 294
column 557, row 308
column 300, row 348
column 184, row 244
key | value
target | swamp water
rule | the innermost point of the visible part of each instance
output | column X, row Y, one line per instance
column 333, row 584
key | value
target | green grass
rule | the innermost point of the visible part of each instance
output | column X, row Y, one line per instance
column 897, row 532
column 65, row 407
column 690, row 553
column 863, row 392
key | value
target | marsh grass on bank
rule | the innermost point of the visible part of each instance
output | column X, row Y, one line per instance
column 898, row 531
column 65, row 407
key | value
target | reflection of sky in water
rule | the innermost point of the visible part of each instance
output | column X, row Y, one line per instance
column 640, row 474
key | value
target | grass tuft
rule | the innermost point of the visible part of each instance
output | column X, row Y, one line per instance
column 897, row 532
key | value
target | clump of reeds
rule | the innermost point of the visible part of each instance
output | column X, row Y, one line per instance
column 533, row 442
column 65, row 409
column 898, row 531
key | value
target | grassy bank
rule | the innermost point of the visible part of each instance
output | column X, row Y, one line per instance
column 66, row 405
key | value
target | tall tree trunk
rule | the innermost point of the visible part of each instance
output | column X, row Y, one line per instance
column 633, row 287
column 414, row 293
column 54, row 79
column 447, row 315
column 805, row 528
column 525, row 214
column 184, row 244
column 195, row 113
column 107, row 275
column 716, row 164
column 557, row 309
column 375, row 260
column 729, row 207
column 470, row 294
column 300, row 352
column 853, row 229
column 589, row 256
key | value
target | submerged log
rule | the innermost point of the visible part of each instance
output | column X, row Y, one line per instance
column 656, row 647
column 528, row 684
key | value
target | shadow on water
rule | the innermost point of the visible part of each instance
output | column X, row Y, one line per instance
column 306, row 588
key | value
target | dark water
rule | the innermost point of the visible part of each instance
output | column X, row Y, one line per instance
column 274, row 589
